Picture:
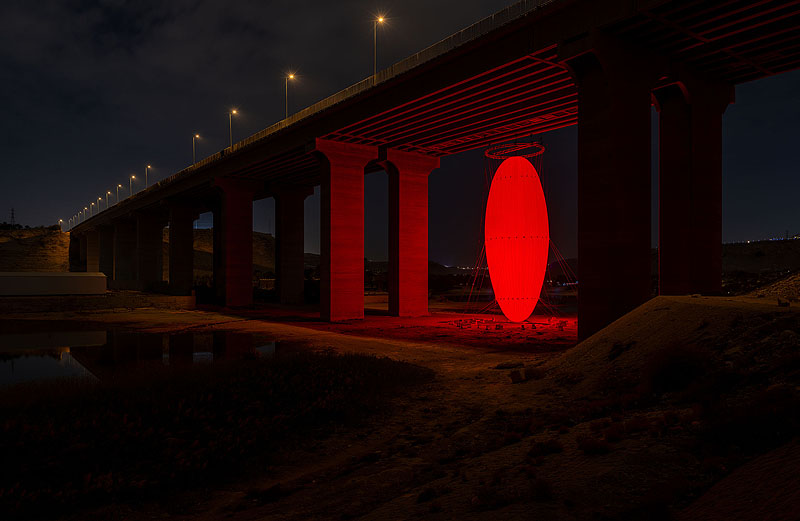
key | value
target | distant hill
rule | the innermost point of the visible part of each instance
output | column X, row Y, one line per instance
column 35, row 249
column 41, row 249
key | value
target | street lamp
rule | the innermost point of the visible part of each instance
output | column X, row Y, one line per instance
column 289, row 76
column 130, row 185
column 118, row 187
column 107, row 194
column 61, row 224
column 379, row 20
column 194, row 156
column 98, row 204
column 91, row 209
column 148, row 167
column 230, row 124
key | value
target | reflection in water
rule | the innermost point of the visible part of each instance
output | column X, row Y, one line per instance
column 106, row 355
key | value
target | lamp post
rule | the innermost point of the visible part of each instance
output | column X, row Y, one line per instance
column 118, row 187
column 91, row 209
column 61, row 224
column 230, row 124
column 379, row 20
column 107, row 194
column 146, row 169
column 130, row 185
column 194, row 156
column 99, row 199
column 289, row 76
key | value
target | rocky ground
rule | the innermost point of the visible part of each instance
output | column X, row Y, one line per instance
column 662, row 415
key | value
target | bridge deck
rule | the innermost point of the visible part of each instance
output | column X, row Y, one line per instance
column 496, row 80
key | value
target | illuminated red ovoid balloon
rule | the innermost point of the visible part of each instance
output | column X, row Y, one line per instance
column 517, row 237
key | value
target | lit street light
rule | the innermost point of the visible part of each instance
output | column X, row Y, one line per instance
column 118, row 187
column 91, row 210
column 194, row 155
column 290, row 76
column 85, row 209
column 146, row 169
column 379, row 20
column 61, row 224
column 107, row 194
column 230, row 124
column 130, row 185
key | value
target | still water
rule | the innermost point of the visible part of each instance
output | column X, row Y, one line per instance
column 32, row 357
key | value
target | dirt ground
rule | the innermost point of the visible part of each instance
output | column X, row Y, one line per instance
column 509, row 428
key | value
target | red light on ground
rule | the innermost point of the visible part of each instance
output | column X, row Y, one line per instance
column 517, row 237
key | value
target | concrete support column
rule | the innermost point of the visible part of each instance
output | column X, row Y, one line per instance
column 149, row 239
column 408, row 231
column 82, row 252
column 289, row 242
column 74, row 252
column 125, row 254
column 342, row 228
column 690, row 186
column 613, row 183
column 92, row 251
column 106, row 253
column 181, row 249
column 233, row 241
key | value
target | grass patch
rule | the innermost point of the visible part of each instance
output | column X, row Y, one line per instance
column 69, row 445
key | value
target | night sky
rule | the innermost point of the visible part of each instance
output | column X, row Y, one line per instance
column 93, row 91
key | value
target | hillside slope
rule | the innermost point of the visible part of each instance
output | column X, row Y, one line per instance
column 35, row 249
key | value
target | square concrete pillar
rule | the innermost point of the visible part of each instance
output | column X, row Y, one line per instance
column 74, row 252
column 690, row 186
column 181, row 249
column 289, row 242
column 408, row 231
column 233, row 241
column 92, row 251
column 342, row 228
column 82, row 252
column 125, row 254
column 148, row 250
column 106, row 251
column 614, row 100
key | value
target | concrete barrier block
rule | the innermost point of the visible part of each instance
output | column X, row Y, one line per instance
column 39, row 283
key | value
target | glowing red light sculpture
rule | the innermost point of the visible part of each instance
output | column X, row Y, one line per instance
column 517, row 237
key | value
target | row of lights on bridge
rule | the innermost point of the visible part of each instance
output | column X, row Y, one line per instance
column 89, row 211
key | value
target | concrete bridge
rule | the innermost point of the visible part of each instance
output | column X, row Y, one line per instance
column 531, row 68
